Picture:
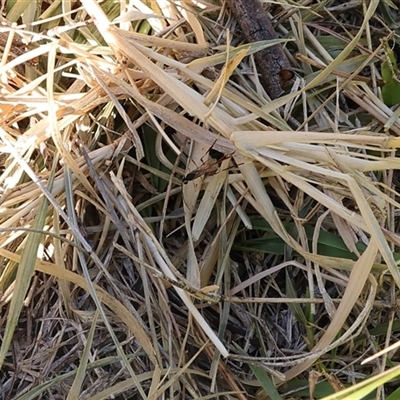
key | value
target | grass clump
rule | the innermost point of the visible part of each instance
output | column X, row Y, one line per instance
column 135, row 263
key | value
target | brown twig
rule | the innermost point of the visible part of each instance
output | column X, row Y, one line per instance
column 274, row 66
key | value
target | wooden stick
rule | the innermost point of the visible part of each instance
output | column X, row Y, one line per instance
column 272, row 63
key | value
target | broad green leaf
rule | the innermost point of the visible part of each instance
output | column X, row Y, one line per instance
column 391, row 93
column 390, row 75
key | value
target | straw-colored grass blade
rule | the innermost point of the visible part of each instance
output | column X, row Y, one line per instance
column 191, row 17
column 358, row 278
column 375, row 230
column 207, row 203
column 118, row 308
column 76, row 387
column 18, row 8
column 164, row 264
column 25, row 271
column 206, row 62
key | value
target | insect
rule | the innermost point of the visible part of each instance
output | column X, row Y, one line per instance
column 206, row 294
column 209, row 167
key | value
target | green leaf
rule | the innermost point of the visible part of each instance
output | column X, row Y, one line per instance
column 391, row 93
column 395, row 395
column 390, row 75
column 266, row 382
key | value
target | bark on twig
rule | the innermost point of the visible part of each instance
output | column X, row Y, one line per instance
column 272, row 63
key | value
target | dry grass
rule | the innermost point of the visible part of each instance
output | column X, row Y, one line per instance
column 277, row 265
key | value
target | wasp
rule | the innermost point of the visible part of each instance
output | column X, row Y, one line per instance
column 208, row 168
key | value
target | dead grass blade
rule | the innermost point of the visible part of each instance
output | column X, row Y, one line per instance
column 119, row 309
column 81, row 372
column 355, row 285
column 24, row 275
column 161, row 259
